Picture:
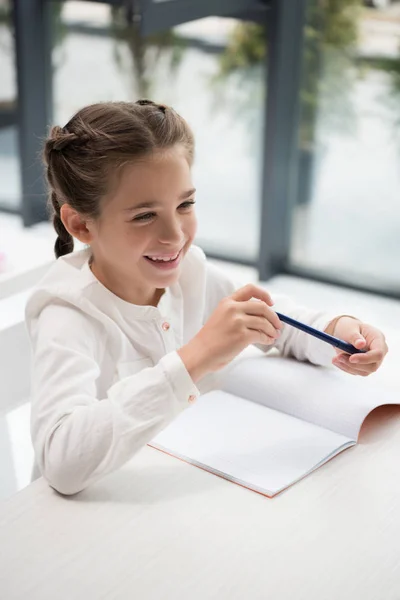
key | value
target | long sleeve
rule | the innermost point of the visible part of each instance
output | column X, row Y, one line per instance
column 296, row 343
column 291, row 342
column 77, row 436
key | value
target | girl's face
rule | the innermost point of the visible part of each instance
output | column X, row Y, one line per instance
column 146, row 227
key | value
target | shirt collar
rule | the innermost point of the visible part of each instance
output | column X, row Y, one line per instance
column 165, row 308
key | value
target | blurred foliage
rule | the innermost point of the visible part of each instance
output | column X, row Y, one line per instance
column 329, row 36
column 390, row 66
column 5, row 16
column 339, row 20
column 144, row 53
column 5, row 20
column 57, row 28
column 58, row 32
column 246, row 47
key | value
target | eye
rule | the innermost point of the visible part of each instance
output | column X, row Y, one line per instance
column 187, row 204
column 144, row 217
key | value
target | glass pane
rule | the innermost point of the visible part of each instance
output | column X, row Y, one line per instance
column 10, row 192
column 210, row 71
column 346, row 219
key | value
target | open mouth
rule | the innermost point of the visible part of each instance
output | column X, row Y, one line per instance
column 164, row 262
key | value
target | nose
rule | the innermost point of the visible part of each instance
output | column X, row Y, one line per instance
column 171, row 232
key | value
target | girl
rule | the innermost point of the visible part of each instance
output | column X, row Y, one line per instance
column 127, row 333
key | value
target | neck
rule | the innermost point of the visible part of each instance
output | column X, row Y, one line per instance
column 131, row 294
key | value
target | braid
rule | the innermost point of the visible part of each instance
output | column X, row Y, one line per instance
column 83, row 158
column 65, row 242
column 61, row 139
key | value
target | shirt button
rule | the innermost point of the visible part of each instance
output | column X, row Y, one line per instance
column 165, row 326
column 191, row 399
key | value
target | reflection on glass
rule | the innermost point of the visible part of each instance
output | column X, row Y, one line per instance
column 191, row 67
column 9, row 164
column 138, row 57
column 346, row 220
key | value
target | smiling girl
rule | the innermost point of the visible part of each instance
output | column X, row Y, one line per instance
column 127, row 333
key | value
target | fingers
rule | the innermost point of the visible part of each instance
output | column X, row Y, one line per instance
column 363, row 336
column 369, row 358
column 264, row 327
column 343, row 362
column 375, row 355
column 252, row 291
column 352, row 371
column 262, row 310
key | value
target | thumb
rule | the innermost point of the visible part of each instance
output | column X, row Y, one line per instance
column 357, row 339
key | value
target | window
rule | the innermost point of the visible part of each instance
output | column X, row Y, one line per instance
column 346, row 216
column 10, row 192
column 210, row 70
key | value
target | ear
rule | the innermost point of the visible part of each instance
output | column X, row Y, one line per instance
column 75, row 224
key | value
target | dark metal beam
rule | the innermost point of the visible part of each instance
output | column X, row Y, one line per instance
column 159, row 15
column 33, row 53
column 112, row 2
column 285, row 46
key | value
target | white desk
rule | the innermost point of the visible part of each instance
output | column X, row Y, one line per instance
column 160, row 528
column 163, row 529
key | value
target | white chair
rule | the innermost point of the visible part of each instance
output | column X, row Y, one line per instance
column 13, row 283
column 14, row 343
column 15, row 376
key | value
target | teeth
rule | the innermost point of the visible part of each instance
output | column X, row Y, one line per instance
column 163, row 259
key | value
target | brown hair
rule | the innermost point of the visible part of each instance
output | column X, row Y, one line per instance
column 80, row 156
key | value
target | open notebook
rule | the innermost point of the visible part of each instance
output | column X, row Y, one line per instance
column 273, row 422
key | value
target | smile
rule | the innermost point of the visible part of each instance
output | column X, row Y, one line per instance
column 167, row 258
column 166, row 261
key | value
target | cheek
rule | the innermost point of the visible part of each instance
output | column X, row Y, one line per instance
column 191, row 226
column 137, row 239
column 122, row 240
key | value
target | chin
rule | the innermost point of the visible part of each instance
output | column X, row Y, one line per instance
column 168, row 280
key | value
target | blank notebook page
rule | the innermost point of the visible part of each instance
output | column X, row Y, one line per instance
column 248, row 443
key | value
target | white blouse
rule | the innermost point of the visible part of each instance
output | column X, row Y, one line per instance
column 106, row 374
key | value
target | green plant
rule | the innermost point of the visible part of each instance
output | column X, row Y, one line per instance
column 144, row 53
column 390, row 66
column 329, row 35
column 6, row 21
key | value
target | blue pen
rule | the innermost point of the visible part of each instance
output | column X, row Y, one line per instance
column 321, row 335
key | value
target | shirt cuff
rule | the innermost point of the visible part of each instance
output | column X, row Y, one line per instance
column 179, row 378
column 321, row 353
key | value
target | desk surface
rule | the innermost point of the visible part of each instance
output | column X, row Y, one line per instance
column 162, row 529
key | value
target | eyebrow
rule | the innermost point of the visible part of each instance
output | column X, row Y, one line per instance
column 153, row 203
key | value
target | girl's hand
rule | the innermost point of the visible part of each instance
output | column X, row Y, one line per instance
column 361, row 336
column 237, row 322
